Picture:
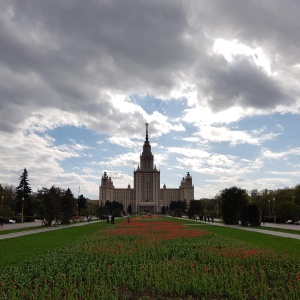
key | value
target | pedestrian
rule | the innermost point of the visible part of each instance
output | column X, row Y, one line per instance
column 128, row 218
column 107, row 219
column 112, row 220
column 1, row 222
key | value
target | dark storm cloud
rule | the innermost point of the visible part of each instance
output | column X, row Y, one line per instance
column 242, row 83
column 74, row 49
column 75, row 55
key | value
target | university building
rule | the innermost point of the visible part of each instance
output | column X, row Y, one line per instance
column 146, row 194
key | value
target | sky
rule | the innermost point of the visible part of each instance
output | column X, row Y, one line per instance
column 217, row 81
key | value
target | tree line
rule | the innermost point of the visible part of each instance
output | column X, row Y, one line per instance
column 235, row 205
column 51, row 205
column 48, row 204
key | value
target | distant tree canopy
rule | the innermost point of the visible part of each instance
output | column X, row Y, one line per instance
column 129, row 209
column 114, row 207
column 233, row 201
column 250, row 215
column 82, row 201
column 287, row 210
column 178, row 207
column 196, row 208
column 56, row 204
column 67, row 205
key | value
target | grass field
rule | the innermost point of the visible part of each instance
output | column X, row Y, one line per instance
column 17, row 250
column 158, row 258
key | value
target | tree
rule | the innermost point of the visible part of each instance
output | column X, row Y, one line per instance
column 287, row 210
column 196, row 208
column 250, row 215
column 233, row 200
column 102, row 211
column 23, row 194
column 49, row 209
column 114, row 207
column 68, row 206
column 6, row 212
column 178, row 207
column 8, row 197
column 82, row 201
column 129, row 209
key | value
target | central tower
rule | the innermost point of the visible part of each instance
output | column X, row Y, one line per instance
column 147, row 181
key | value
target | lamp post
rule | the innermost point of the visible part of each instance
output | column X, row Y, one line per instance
column 274, row 211
column 89, row 211
column 77, row 211
column 22, row 218
column 217, row 211
column 269, row 208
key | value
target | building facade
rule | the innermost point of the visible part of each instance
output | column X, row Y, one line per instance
column 146, row 194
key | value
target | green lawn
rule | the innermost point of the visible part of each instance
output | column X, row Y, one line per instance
column 16, row 250
column 293, row 231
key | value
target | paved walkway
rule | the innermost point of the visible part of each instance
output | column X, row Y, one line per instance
column 38, row 230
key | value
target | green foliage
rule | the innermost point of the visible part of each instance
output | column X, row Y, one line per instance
column 8, row 196
column 23, row 195
column 6, row 212
column 82, row 202
column 233, row 200
column 196, row 208
column 287, row 210
column 102, row 211
column 114, row 207
column 68, row 206
column 250, row 215
column 56, row 204
column 129, row 209
column 178, row 207
column 49, row 209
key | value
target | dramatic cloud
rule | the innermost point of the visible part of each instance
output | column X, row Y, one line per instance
column 215, row 71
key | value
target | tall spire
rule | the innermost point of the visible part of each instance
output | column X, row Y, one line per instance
column 147, row 124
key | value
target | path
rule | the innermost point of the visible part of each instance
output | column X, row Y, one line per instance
column 38, row 230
